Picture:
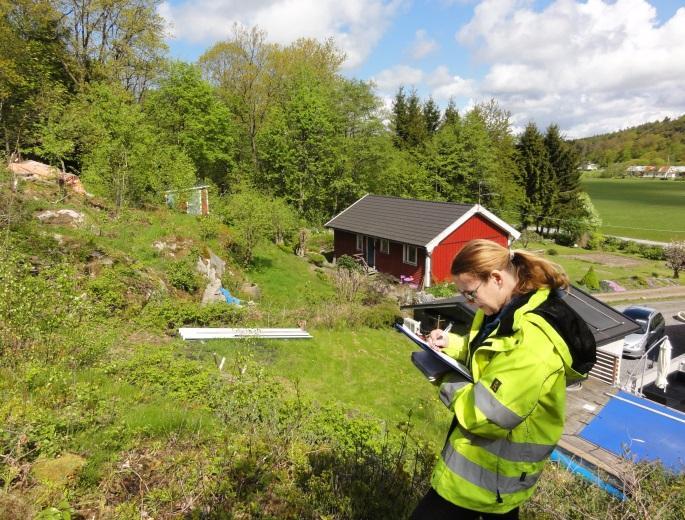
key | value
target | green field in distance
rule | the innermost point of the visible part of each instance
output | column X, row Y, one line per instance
column 640, row 208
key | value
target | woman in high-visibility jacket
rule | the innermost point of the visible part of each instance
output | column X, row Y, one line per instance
column 509, row 419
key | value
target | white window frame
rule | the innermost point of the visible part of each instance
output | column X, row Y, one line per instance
column 385, row 246
column 405, row 254
column 360, row 243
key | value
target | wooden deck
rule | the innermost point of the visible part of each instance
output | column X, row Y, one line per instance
column 581, row 407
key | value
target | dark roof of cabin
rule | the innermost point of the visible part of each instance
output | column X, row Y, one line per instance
column 409, row 221
column 606, row 323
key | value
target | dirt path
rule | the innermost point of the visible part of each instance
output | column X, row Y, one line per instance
column 659, row 293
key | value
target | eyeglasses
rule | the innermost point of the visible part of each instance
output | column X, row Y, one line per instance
column 471, row 295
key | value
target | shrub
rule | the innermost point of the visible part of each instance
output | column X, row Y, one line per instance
column 639, row 280
column 380, row 316
column 108, row 293
column 347, row 262
column 317, row 259
column 182, row 275
column 653, row 252
column 630, row 247
column 174, row 314
column 442, row 290
column 527, row 236
column 564, row 239
column 36, row 302
column 590, row 280
column 611, row 243
column 595, row 241
column 552, row 252
column 209, row 226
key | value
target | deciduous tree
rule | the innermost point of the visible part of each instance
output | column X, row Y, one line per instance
column 189, row 115
column 675, row 256
column 113, row 40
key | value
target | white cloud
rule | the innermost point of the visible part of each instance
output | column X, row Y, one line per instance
column 422, row 45
column 355, row 25
column 590, row 66
column 389, row 80
column 445, row 85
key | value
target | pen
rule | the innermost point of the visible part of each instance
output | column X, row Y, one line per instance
column 447, row 329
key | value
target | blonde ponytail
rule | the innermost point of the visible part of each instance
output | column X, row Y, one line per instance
column 481, row 257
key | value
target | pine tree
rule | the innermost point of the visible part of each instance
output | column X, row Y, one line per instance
column 399, row 118
column 536, row 177
column 431, row 115
column 416, row 124
column 451, row 115
column 564, row 160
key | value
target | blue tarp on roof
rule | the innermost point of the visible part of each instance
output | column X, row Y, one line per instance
column 640, row 430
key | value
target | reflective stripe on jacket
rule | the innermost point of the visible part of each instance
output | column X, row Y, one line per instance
column 512, row 415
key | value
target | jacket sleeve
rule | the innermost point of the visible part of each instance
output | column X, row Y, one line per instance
column 457, row 347
column 508, row 389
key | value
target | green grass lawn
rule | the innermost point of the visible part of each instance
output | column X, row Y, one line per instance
column 640, row 208
column 366, row 370
column 287, row 281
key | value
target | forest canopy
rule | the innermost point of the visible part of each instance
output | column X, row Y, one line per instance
column 88, row 87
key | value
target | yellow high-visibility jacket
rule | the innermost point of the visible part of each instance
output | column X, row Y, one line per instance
column 510, row 418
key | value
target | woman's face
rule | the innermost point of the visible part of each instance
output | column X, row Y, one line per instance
column 490, row 294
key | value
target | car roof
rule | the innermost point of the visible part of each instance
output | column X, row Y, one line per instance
column 637, row 311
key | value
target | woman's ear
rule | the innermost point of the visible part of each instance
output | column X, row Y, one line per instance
column 497, row 276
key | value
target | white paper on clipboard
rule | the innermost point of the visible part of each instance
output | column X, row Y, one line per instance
column 451, row 362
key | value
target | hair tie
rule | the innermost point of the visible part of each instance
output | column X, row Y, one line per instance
column 511, row 255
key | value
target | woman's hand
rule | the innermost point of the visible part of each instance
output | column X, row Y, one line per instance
column 438, row 338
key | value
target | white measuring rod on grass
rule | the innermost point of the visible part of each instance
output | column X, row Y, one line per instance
column 188, row 333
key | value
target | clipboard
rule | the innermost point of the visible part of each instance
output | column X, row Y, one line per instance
column 431, row 361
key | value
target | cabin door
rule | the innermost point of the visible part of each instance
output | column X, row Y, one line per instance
column 370, row 252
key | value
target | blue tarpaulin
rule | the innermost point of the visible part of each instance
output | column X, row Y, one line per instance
column 229, row 298
column 640, row 429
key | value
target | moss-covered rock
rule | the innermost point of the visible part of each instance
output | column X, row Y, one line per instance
column 57, row 471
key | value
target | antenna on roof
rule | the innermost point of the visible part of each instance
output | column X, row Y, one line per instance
column 481, row 194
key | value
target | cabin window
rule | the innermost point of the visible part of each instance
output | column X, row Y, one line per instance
column 385, row 246
column 409, row 254
column 360, row 242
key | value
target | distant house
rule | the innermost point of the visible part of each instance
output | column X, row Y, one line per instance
column 636, row 170
column 665, row 172
column 413, row 240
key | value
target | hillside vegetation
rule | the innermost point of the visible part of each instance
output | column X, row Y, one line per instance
column 656, row 143
column 107, row 414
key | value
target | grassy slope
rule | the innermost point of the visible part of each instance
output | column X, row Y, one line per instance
column 640, row 208
column 365, row 369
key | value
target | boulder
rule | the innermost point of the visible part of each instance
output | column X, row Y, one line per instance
column 59, row 470
column 250, row 291
column 62, row 217
column 34, row 170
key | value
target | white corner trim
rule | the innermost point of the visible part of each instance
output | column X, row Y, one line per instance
column 343, row 211
column 427, row 274
column 476, row 209
column 498, row 221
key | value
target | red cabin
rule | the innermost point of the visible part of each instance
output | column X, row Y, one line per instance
column 413, row 240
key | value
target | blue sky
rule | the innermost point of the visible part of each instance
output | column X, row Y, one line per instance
column 590, row 66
